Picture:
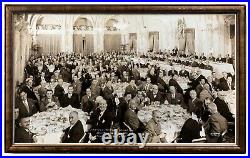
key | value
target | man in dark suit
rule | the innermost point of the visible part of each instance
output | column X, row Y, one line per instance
column 125, row 77
column 28, row 89
column 153, row 127
column 216, row 125
column 23, row 134
column 147, row 86
column 172, row 72
column 87, row 102
column 175, row 98
column 49, row 102
column 59, row 90
column 75, row 132
column 156, row 95
column 190, row 130
column 108, row 91
column 71, row 99
column 163, row 87
column 224, row 77
column 131, row 88
column 183, row 72
column 122, row 108
column 223, row 107
column 27, row 107
column 195, row 105
column 101, row 121
column 173, row 82
column 131, row 119
column 228, row 85
column 200, row 87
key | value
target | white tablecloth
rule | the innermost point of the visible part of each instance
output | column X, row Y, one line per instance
column 222, row 67
column 49, row 125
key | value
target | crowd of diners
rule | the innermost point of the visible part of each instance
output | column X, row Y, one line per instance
column 91, row 79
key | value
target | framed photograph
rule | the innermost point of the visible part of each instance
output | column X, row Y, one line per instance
column 125, row 78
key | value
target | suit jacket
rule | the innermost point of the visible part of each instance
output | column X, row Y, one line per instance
column 174, row 83
column 158, row 97
column 225, row 87
column 216, row 124
column 74, row 134
column 59, row 92
column 23, row 112
column 99, row 121
column 23, row 136
column 44, row 102
column 87, row 103
column 77, row 87
column 196, row 107
column 163, row 87
column 177, row 100
column 154, row 131
column 223, row 109
column 73, row 101
column 132, row 120
column 125, row 79
column 189, row 131
column 184, row 73
column 136, row 75
column 30, row 93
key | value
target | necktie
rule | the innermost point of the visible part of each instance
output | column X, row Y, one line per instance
column 26, row 105
column 229, row 85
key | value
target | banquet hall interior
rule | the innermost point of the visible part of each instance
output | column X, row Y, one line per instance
column 77, row 76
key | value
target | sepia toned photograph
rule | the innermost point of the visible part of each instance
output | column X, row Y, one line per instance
column 92, row 79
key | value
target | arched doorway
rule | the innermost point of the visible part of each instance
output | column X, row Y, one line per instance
column 49, row 37
column 83, row 39
column 112, row 36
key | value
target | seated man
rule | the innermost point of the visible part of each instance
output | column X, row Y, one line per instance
column 206, row 93
column 190, row 130
column 23, row 134
column 131, row 88
column 175, row 98
column 216, row 124
column 87, row 102
column 59, row 90
column 75, row 132
column 173, row 82
column 156, row 95
column 42, row 90
column 228, row 85
column 153, row 127
column 223, row 107
column 146, row 86
column 71, row 99
column 131, row 119
column 49, row 102
column 26, row 106
column 195, row 105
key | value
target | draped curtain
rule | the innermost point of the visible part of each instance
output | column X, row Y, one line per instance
column 153, row 41
column 89, row 43
column 133, row 41
column 78, row 43
column 50, row 43
column 112, row 42
column 190, row 38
